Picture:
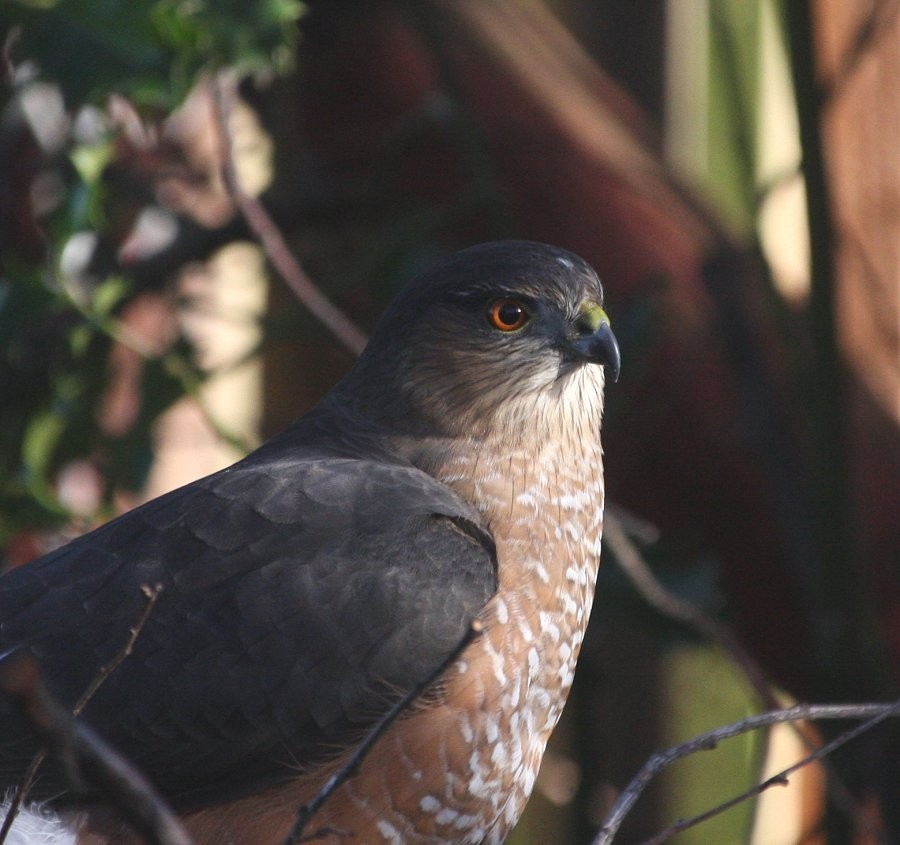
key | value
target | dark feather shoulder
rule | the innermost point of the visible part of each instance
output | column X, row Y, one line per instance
column 303, row 588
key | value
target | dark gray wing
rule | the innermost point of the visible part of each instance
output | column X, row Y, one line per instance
column 301, row 591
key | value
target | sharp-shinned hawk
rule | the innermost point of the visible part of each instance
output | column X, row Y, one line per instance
column 453, row 475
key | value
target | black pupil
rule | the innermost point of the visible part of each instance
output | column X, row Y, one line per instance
column 509, row 313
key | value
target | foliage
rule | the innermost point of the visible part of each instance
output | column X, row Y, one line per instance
column 58, row 322
column 152, row 51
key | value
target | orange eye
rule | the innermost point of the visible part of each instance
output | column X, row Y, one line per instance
column 507, row 315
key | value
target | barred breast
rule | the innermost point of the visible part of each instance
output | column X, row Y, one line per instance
column 460, row 771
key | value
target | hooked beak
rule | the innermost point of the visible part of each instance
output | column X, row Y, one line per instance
column 596, row 343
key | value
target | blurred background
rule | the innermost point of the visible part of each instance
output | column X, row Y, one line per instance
column 731, row 168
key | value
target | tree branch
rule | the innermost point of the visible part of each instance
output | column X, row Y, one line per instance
column 152, row 595
column 872, row 713
column 618, row 525
column 270, row 237
column 657, row 596
column 351, row 766
column 88, row 763
column 15, row 804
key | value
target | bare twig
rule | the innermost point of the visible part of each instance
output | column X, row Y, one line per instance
column 88, row 762
column 350, row 767
column 10, row 44
column 15, row 804
column 635, row 527
column 173, row 362
column 151, row 594
column 657, row 596
column 872, row 713
column 618, row 526
column 273, row 243
column 779, row 779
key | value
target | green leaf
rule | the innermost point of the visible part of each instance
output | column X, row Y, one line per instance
column 41, row 438
column 90, row 160
column 107, row 295
column 80, row 339
column 152, row 51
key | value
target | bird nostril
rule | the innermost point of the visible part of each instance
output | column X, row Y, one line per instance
column 584, row 327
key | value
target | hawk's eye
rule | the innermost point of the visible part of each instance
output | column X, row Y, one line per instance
column 507, row 315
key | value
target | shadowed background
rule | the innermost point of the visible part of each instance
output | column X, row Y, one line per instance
column 752, row 446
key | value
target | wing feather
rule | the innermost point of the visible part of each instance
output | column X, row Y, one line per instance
column 300, row 592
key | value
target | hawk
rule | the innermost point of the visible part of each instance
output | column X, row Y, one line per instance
column 453, row 477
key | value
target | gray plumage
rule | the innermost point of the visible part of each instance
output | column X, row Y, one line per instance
column 310, row 584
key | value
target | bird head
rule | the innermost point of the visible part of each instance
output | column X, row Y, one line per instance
column 497, row 331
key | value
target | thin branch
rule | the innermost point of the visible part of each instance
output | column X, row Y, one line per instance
column 15, row 804
column 152, row 595
column 351, row 766
column 635, row 527
column 657, row 596
column 172, row 362
column 616, row 534
column 872, row 713
column 10, row 44
column 270, row 236
column 89, row 764
column 779, row 779
column 191, row 383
